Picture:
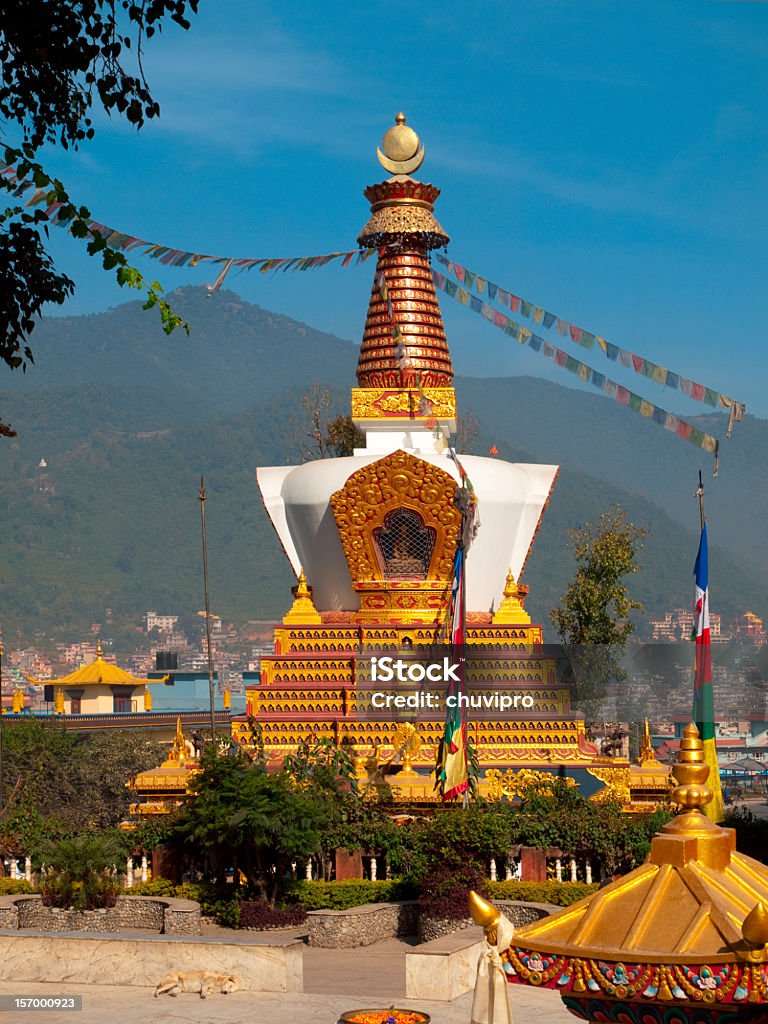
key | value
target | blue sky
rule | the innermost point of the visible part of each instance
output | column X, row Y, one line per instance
column 607, row 160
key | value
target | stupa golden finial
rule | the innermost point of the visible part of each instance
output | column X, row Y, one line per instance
column 178, row 752
column 303, row 609
column 647, row 753
column 691, row 772
column 99, row 652
column 401, row 152
column 511, row 609
column 702, row 839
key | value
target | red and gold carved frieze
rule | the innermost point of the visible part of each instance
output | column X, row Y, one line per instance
column 401, row 403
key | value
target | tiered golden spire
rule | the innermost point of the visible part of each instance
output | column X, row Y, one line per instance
column 511, row 609
column 303, row 608
column 647, row 753
column 404, row 349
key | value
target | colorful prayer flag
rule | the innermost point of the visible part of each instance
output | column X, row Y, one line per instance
column 452, row 774
column 703, row 694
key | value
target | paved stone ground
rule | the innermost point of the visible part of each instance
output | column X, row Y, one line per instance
column 335, row 980
column 105, row 1003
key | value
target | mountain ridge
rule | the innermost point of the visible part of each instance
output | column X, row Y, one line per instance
column 113, row 518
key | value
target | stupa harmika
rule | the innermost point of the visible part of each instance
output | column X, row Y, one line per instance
column 372, row 537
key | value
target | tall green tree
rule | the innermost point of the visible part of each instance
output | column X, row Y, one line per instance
column 593, row 618
column 59, row 783
column 257, row 822
column 59, row 61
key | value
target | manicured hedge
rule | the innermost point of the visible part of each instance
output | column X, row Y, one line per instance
column 15, row 887
column 561, row 894
column 343, row 895
column 258, row 914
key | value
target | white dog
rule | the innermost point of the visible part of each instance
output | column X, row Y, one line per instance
column 204, row 982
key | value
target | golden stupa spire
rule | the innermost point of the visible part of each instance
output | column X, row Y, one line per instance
column 99, row 652
column 178, row 752
column 303, row 609
column 511, row 609
column 702, row 840
column 404, row 371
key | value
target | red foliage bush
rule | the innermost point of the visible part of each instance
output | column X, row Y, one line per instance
column 258, row 914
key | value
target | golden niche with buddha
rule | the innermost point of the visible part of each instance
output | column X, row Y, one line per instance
column 399, row 528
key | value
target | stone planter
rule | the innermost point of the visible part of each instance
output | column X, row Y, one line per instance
column 518, row 912
column 166, row 915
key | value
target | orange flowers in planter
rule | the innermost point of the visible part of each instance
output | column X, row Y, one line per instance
column 390, row 1016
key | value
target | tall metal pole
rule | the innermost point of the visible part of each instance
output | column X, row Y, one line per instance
column 700, row 495
column 211, row 695
column 2, row 797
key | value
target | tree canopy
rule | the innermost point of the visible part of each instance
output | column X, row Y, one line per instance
column 592, row 619
column 59, row 61
column 58, row 783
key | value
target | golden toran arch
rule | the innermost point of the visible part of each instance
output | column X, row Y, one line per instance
column 361, row 507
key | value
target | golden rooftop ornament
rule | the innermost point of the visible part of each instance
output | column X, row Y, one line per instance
column 511, row 608
column 403, row 152
column 303, row 608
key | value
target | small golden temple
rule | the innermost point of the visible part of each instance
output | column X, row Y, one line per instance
column 99, row 688
column 161, row 790
column 372, row 537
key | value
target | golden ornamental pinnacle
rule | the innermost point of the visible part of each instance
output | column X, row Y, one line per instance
column 647, row 753
column 303, row 608
column 755, row 926
column 403, row 152
column 691, row 772
column 511, row 609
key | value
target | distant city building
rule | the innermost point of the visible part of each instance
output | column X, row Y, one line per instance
column 216, row 624
column 677, row 624
column 162, row 623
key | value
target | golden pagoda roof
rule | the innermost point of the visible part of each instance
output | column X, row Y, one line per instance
column 98, row 671
column 688, row 901
column 683, row 938
column 173, row 773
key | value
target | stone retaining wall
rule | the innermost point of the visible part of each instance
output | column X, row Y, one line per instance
column 518, row 912
column 168, row 916
column 361, row 926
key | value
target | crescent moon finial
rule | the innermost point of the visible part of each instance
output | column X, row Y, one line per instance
column 401, row 149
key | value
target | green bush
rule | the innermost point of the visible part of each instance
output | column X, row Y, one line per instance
column 751, row 832
column 15, row 887
column 78, row 874
column 343, row 895
column 561, row 894
column 157, row 887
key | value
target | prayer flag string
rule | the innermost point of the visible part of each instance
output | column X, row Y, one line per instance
column 681, row 428
column 659, row 374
